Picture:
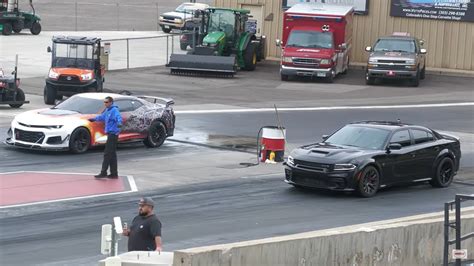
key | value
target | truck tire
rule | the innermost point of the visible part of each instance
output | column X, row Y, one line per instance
column 284, row 77
column 7, row 29
column 330, row 78
column 49, row 95
column 250, row 57
column 369, row 80
column 18, row 25
column 35, row 28
column 416, row 81
column 183, row 46
column 20, row 96
column 165, row 30
column 423, row 72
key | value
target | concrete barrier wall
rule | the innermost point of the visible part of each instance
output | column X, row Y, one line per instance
column 416, row 240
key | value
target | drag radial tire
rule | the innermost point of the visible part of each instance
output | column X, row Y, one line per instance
column 156, row 135
column 444, row 173
column 80, row 140
column 49, row 94
column 35, row 28
column 20, row 96
column 7, row 29
column 250, row 57
column 369, row 182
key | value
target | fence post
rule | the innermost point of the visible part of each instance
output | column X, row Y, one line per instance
column 458, row 226
column 75, row 13
column 128, row 54
column 167, row 44
column 446, row 235
column 172, row 43
column 157, row 18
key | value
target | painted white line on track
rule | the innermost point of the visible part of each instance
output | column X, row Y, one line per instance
column 131, row 182
column 328, row 108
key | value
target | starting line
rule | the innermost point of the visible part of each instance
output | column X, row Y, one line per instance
column 26, row 188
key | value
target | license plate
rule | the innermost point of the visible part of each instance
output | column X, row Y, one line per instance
column 321, row 74
column 167, row 27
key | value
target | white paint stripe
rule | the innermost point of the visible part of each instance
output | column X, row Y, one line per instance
column 328, row 108
column 131, row 182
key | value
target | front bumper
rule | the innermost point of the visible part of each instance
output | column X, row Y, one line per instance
column 171, row 25
column 38, row 138
column 69, row 89
column 391, row 74
column 306, row 72
column 338, row 181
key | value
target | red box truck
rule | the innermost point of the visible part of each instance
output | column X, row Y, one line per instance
column 316, row 41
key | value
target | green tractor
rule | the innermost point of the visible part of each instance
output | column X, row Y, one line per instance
column 225, row 43
column 14, row 20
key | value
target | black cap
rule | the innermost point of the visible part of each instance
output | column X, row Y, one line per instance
column 147, row 201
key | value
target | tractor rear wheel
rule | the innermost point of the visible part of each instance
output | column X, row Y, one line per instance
column 7, row 29
column 20, row 96
column 18, row 26
column 250, row 57
column 49, row 95
column 35, row 28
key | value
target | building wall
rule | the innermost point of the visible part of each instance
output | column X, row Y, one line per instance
column 450, row 44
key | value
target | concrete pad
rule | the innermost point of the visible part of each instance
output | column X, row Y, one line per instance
column 22, row 188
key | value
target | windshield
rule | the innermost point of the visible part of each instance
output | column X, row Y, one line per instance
column 393, row 45
column 359, row 136
column 73, row 55
column 310, row 39
column 222, row 21
column 187, row 8
column 81, row 105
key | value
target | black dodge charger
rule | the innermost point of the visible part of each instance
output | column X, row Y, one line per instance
column 365, row 156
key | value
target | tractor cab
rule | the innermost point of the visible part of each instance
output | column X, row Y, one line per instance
column 75, row 67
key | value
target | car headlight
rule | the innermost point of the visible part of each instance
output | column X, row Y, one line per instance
column 325, row 61
column 162, row 18
column 372, row 61
column 55, row 127
column 410, row 61
column 178, row 20
column 87, row 76
column 344, row 167
column 287, row 59
column 52, row 74
column 290, row 160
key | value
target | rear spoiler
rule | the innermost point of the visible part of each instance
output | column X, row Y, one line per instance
column 154, row 99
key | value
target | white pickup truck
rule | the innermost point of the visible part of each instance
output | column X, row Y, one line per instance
column 181, row 17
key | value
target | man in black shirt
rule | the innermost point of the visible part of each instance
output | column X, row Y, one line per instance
column 145, row 232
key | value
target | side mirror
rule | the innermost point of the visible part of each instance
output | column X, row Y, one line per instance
column 394, row 146
column 423, row 51
column 368, row 49
column 48, row 49
column 325, row 137
column 278, row 42
column 343, row 46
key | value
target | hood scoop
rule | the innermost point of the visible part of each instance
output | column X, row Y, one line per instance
column 319, row 151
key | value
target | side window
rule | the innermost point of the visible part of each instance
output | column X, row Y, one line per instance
column 421, row 136
column 136, row 104
column 401, row 137
column 124, row 105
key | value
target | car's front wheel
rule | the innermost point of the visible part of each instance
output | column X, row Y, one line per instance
column 166, row 30
column 80, row 140
column 369, row 182
column 444, row 173
column 156, row 135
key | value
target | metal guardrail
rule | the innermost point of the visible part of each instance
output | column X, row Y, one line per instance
column 455, row 225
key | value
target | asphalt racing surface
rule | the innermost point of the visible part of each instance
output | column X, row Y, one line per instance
column 221, row 212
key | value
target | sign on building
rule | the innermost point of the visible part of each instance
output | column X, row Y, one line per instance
column 360, row 6
column 455, row 10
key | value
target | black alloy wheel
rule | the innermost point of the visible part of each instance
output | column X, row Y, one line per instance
column 80, row 140
column 369, row 182
column 444, row 173
column 156, row 135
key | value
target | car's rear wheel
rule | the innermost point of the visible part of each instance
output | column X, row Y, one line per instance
column 444, row 173
column 156, row 135
column 80, row 140
column 369, row 182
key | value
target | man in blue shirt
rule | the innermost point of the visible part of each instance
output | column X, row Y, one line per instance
column 112, row 122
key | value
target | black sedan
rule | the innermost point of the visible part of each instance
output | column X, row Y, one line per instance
column 369, row 155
